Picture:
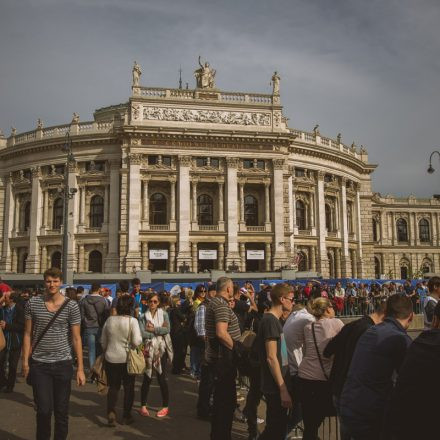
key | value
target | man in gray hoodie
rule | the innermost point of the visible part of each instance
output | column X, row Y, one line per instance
column 94, row 311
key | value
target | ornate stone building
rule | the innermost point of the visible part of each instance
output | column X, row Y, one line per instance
column 179, row 179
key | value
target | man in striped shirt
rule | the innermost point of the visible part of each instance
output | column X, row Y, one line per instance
column 222, row 332
column 51, row 360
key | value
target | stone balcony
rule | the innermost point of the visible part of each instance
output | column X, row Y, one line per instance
column 220, row 227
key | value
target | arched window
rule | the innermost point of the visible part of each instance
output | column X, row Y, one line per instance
column 427, row 266
column 158, row 209
column 96, row 211
column 402, row 230
column 377, row 270
column 58, row 213
column 205, row 210
column 95, row 261
column 424, row 233
column 350, row 218
column 250, row 211
column 301, row 215
column 27, row 216
column 404, row 269
column 302, row 262
column 55, row 260
column 375, row 230
column 328, row 218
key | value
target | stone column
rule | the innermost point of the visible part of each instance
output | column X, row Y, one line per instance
column 144, row 252
column 292, row 213
column 184, row 254
column 393, row 228
column 359, row 257
column 231, row 219
column 81, row 259
column 14, row 260
column 172, row 262
column 146, row 204
column 105, row 223
column 133, row 258
column 279, row 250
column 72, row 220
column 267, row 205
column 173, row 204
column 194, row 257
column 241, row 189
column 221, row 256
column 194, row 206
column 338, row 263
column 312, row 258
column 112, row 262
column 221, row 219
column 312, row 211
column 17, row 213
column 43, row 259
column 45, row 224
column 345, row 257
column 242, row 257
column 5, row 262
column 268, row 257
column 82, row 210
column 321, row 228
column 33, row 260
column 354, row 264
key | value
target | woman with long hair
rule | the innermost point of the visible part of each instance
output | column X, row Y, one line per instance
column 314, row 370
column 155, row 328
column 120, row 332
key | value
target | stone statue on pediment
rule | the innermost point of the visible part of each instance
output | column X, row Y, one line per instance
column 205, row 76
column 339, row 138
column 137, row 72
column 75, row 118
column 316, row 130
column 39, row 124
column 13, row 131
column 276, row 83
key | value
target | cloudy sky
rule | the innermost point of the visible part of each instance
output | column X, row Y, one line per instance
column 368, row 69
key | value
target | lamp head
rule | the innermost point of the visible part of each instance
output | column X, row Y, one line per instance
column 430, row 169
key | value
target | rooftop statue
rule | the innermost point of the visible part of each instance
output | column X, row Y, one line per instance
column 205, row 76
column 137, row 72
column 75, row 118
column 276, row 83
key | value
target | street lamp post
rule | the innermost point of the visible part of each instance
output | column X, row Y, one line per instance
column 430, row 168
column 68, row 194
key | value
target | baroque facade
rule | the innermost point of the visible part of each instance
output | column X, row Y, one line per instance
column 179, row 179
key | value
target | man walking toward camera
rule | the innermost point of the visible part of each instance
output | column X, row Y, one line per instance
column 52, row 326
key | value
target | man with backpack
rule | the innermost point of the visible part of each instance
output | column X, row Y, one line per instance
column 94, row 312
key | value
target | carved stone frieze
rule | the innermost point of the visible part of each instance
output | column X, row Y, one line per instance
column 232, row 162
column 184, row 161
column 134, row 158
column 202, row 116
column 278, row 164
column 36, row 171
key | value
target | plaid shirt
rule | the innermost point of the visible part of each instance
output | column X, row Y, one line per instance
column 199, row 320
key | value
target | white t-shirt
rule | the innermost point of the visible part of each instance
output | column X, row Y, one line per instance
column 294, row 335
column 340, row 293
column 325, row 329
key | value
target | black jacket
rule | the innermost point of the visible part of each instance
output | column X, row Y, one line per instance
column 413, row 409
column 14, row 331
column 342, row 346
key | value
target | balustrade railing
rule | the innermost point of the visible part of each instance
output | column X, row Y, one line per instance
column 255, row 228
column 208, row 227
column 159, row 227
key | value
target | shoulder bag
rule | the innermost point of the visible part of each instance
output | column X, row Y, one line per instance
column 135, row 356
column 325, row 398
column 40, row 337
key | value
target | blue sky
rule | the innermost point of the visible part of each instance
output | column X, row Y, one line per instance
column 367, row 69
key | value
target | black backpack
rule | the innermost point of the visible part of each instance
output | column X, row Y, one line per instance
column 101, row 318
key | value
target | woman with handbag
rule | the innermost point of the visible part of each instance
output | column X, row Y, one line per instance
column 119, row 334
column 314, row 370
column 155, row 329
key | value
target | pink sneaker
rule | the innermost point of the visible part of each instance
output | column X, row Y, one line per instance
column 163, row 412
column 143, row 411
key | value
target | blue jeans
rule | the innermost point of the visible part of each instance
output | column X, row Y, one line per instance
column 195, row 359
column 93, row 335
column 51, row 386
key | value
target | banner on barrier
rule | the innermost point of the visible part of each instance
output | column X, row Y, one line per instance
column 158, row 254
column 207, row 254
column 254, row 254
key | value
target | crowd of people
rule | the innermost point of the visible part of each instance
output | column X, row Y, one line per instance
column 286, row 342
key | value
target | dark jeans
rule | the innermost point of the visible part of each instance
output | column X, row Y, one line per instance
column 343, row 431
column 225, row 402
column 253, row 400
column 51, row 383
column 162, row 379
column 206, row 388
column 295, row 415
column 117, row 374
column 311, row 392
column 14, row 356
column 179, row 348
column 276, row 419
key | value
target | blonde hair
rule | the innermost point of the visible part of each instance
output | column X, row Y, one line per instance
column 319, row 306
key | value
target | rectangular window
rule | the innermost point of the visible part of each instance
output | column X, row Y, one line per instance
column 95, row 165
column 300, row 172
column 59, row 169
column 328, row 178
column 201, row 161
column 166, row 160
column 247, row 163
column 215, row 163
column 152, row 160
column 260, row 164
column 27, row 174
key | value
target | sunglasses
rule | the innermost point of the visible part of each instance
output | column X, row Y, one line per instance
column 153, row 302
column 290, row 299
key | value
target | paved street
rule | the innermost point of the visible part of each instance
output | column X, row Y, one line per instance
column 88, row 421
